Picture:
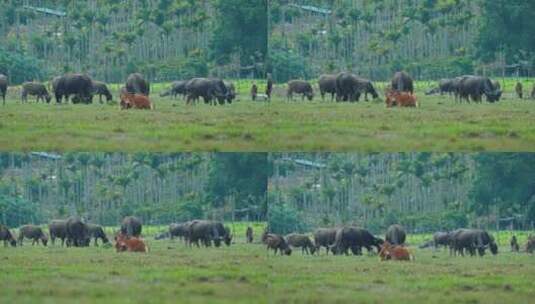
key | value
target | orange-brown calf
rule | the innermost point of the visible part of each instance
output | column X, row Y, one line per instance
column 396, row 253
column 401, row 99
column 136, row 101
column 123, row 243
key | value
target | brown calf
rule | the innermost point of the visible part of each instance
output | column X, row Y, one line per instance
column 395, row 253
column 401, row 99
column 133, row 244
column 136, row 101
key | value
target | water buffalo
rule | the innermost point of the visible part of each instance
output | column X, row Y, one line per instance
column 162, row 235
column 3, row 87
column 58, row 229
column 445, row 86
column 277, row 243
column 530, row 245
column 97, row 232
column 136, row 84
column 208, row 232
column 324, row 237
column 514, row 244
column 249, row 234
column 402, row 82
column 302, row 241
column 519, row 89
column 81, row 86
column 533, row 92
column 299, row 87
column 349, row 87
column 441, row 239
column 131, row 226
column 34, row 89
column 327, row 84
column 101, row 89
column 354, row 238
column 35, row 233
column 6, row 236
column 474, row 87
column 208, row 89
column 395, row 235
column 231, row 91
column 472, row 240
column 177, row 88
column 179, row 230
column 77, row 232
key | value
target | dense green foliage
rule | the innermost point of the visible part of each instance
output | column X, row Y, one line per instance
column 20, row 67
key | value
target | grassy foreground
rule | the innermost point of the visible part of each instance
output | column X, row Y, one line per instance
column 245, row 273
column 439, row 125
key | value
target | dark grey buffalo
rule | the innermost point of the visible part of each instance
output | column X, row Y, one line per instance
column 207, row 232
column 101, row 89
column 97, row 232
column 77, row 232
column 301, row 241
column 530, row 245
column 324, row 237
column 79, row 85
column 354, row 238
column 136, row 84
column 207, row 88
column 58, row 229
column 7, row 237
column 441, row 239
column 34, row 89
column 446, row 86
column 180, row 230
column 474, row 87
column 231, row 91
column 276, row 243
column 396, row 235
column 131, row 226
column 300, row 87
column 177, row 88
column 3, row 87
column 34, row 233
column 519, row 89
column 349, row 87
column 402, row 82
column 162, row 235
column 472, row 240
column 327, row 85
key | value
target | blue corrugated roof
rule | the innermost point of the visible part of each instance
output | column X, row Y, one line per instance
column 314, row 9
column 46, row 10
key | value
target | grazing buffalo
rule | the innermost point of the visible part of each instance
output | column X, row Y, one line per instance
column 299, row 87
column 394, row 252
column 401, row 99
column 441, row 239
column 277, row 243
column 519, row 89
column 131, row 226
column 130, row 244
column 177, row 88
column 6, row 236
column 354, row 238
column 77, row 232
column 402, row 82
column 136, row 84
column 249, row 234
column 179, row 230
column 396, row 235
column 349, row 87
column 208, row 89
column 34, row 89
column 302, row 241
column 530, row 246
column 35, row 233
column 231, row 91
column 162, row 235
column 472, row 240
column 533, row 92
column 101, row 89
column 474, row 87
column 208, row 231
column 514, row 244
column 97, row 232
column 324, row 237
column 135, row 101
column 81, row 86
column 327, row 84
column 58, row 229
column 447, row 86
column 3, row 87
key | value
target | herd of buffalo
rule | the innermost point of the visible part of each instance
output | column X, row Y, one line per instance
column 342, row 87
column 74, row 232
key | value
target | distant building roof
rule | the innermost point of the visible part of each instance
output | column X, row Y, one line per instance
column 306, row 163
column 46, row 10
column 47, row 155
column 313, row 9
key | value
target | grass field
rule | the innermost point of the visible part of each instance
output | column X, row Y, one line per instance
column 245, row 273
column 439, row 125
